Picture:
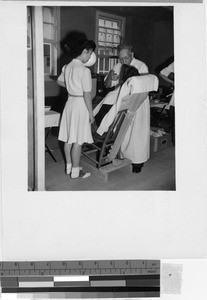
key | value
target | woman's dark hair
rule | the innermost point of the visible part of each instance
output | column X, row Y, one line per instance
column 80, row 45
column 127, row 72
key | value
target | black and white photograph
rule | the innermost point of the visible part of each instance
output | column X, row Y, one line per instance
column 121, row 134
column 103, row 148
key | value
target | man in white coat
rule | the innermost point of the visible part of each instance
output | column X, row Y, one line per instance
column 126, row 56
column 136, row 144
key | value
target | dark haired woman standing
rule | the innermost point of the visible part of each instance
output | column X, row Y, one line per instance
column 75, row 126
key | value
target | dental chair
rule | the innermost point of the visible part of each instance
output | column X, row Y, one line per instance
column 105, row 151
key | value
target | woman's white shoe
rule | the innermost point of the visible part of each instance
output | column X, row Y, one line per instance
column 82, row 174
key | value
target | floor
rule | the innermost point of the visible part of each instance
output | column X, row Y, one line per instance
column 158, row 173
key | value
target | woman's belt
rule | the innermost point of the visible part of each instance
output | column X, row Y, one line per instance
column 75, row 95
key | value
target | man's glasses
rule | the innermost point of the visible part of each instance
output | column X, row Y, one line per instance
column 126, row 58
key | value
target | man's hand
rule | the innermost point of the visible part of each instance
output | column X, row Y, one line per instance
column 113, row 76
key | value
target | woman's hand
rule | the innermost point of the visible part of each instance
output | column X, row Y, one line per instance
column 94, row 126
column 91, row 119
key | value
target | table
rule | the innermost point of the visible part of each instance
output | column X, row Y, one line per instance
column 52, row 119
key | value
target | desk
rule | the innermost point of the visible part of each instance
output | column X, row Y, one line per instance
column 52, row 119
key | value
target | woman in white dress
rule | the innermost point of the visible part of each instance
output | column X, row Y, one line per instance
column 77, row 117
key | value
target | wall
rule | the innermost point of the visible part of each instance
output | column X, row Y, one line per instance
column 142, row 41
column 153, row 42
column 78, row 18
column 83, row 19
column 51, row 88
column 163, row 42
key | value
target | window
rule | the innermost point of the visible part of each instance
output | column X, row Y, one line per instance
column 51, row 39
column 47, row 59
column 110, row 33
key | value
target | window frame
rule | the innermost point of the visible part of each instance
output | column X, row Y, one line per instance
column 112, row 17
column 55, row 43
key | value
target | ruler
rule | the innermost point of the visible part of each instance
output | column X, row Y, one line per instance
column 82, row 279
column 92, row 267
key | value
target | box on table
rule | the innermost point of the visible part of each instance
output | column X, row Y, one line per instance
column 159, row 143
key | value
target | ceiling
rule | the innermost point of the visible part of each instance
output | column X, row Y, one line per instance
column 143, row 12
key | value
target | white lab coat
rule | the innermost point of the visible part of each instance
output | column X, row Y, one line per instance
column 136, row 143
column 138, row 64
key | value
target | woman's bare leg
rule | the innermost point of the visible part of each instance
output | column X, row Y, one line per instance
column 76, row 154
column 76, row 170
column 67, row 150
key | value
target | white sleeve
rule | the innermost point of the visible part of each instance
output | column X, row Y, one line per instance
column 86, row 80
column 61, row 78
column 143, row 69
column 166, row 71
